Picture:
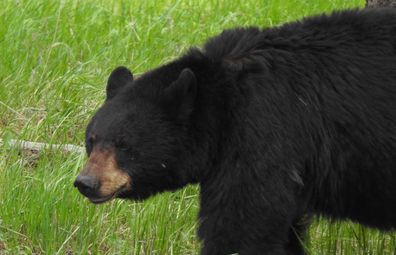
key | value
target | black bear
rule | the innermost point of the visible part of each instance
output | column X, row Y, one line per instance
column 275, row 125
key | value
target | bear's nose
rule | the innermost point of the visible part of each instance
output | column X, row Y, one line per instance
column 87, row 185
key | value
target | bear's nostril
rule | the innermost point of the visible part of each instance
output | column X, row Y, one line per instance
column 86, row 184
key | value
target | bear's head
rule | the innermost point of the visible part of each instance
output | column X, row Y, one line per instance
column 135, row 139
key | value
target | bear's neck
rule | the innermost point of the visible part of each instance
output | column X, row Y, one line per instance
column 210, row 120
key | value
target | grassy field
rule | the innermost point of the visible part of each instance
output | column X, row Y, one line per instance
column 55, row 57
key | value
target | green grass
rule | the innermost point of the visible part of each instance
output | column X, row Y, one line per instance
column 55, row 57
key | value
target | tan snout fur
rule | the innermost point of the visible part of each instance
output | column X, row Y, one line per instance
column 103, row 166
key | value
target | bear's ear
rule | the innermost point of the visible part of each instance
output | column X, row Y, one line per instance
column 180, row 95
column 120, row 77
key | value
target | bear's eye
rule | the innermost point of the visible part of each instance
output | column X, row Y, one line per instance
column 92, row 139
column 90, row 143
column 121, row 144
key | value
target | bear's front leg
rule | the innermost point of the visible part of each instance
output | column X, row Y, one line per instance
column 212, row 248
column 247, row 220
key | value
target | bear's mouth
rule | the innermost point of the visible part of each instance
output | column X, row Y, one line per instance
column 103, row 199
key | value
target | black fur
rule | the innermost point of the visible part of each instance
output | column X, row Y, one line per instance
column 276, row 125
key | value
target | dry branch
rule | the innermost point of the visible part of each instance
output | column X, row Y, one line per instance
column 381, row 3
column 36, row 146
